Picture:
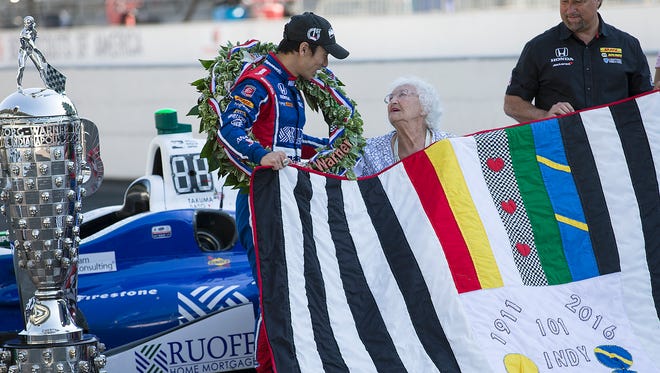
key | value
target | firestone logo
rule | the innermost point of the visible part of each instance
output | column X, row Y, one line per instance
column 216, row 354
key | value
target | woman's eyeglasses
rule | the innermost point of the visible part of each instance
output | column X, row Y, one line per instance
column 401, row 94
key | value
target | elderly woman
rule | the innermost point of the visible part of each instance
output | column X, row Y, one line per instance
column 413, row 108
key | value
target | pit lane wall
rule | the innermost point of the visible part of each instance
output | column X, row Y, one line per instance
column 119, row 76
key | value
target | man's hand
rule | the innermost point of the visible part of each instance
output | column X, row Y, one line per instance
column 278, row 160
column 560, row 108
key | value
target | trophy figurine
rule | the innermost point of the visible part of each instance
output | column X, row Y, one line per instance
column 45, row 164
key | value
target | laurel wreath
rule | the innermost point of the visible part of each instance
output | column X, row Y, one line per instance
column 227, row 67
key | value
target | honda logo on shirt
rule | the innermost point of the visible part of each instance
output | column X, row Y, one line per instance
column 561, row 52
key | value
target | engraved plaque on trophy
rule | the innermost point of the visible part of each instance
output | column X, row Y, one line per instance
column 42, row 163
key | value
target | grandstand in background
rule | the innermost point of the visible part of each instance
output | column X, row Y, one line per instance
column 66, row 13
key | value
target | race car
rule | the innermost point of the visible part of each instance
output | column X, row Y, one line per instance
column 162, row 281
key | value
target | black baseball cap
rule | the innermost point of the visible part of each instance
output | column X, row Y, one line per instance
column 315, row 30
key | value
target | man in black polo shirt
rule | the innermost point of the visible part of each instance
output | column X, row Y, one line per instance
column 580, row 63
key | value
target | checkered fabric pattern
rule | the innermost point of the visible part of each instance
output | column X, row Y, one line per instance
column 504, row 190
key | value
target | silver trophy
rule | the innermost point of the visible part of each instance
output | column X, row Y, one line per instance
column 45, row 164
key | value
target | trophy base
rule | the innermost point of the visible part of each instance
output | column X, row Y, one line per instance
column 81, row 356
column 49, row 320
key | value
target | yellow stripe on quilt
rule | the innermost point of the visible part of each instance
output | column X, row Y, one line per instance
column 553, row 164
column 449, row 173
column 572, row 222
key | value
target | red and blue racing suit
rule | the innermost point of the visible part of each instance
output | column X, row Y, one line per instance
column 266, row 102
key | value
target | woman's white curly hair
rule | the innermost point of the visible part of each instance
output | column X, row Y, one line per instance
column 428, row 98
